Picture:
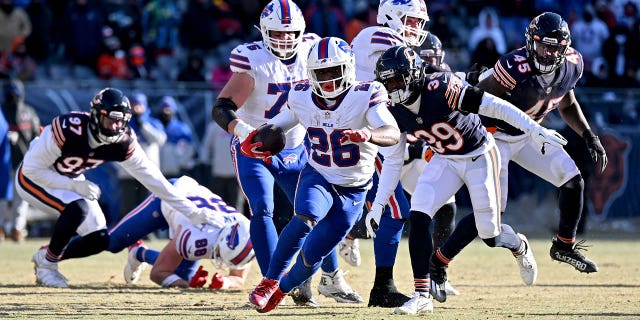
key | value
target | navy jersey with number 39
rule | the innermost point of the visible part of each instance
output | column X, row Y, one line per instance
column 447, row 130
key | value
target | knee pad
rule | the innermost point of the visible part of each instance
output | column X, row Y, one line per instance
column 576, row 183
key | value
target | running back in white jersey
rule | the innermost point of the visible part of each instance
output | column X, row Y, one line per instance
column 369, row 45
column 272, row 80
column 345, row 164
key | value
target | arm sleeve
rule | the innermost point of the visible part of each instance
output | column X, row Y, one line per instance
column 391, row 170
column 38, row 162
column 147, row 173
column 494, row 107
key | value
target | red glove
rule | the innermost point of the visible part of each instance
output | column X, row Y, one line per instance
column 250, row 149
column 199, row 279
column 362, row 135
column 217, row 281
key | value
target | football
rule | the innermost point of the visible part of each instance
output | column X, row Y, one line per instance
column 272, row 138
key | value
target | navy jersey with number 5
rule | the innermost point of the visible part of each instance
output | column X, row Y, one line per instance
column 529, row 90
column 447, row 130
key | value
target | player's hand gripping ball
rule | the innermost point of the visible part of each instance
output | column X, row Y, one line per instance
column 271, row 137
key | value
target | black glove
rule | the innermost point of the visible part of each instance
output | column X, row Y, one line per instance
column 474, row 73
column 596, row 150
column 416, row 148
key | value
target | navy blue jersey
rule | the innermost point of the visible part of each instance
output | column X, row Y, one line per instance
column 71, row 133
column 439, row 122
column 526, row 88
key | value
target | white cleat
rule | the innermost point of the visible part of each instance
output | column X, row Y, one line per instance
column 334, row 286
column 47, row 273
column 527, row 263
column 450, row 290
column 420, row 302
column 133, row 269
column 349, row 249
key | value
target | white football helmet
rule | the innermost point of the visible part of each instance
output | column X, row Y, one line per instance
column 234, row 247
column 394, row 13
column 329, row 53
column 282, row 15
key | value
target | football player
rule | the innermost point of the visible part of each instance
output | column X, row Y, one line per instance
column 51, row 179
column 345, row 121
column 443, row 110
column 175, row 266
column 263, row 73
column 537, row 79
column 401, row 23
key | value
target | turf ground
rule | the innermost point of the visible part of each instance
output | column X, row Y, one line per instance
column 488, row 280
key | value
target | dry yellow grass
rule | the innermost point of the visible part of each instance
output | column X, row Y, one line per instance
column 487, row 278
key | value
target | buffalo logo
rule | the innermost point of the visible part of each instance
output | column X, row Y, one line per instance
column 397, row 2
column 289, row 159
column 608, row 186
column 267, row 11
column 233, row 239
column 346, row 48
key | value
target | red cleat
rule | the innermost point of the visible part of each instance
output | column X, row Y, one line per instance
column 263, row 292
column 274, row 302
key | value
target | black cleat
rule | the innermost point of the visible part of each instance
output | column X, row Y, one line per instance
column 386, row 297
column 570, row 254
column 438, row 274
column 303, row 296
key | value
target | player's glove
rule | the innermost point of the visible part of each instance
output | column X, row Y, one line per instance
column 217, row 282
column 596, row 150
column 415, row 150
column 251, row 149
column 543, row 136
column 473, row 75
column 199, row 278
column 362, row 135
column 86, row 189
column 372, row 220
column 206, row 216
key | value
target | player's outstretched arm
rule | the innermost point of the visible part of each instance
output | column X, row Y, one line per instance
column 166, row 263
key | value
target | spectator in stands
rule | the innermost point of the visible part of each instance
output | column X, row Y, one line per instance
column 486, row 54
column 24, row 126
column 193, row 69
column 137, row 62
column 220, row 75
column 6, row 183
column 488, row 27
column 18, row 63
column 176, row 155
column 588, row 34
column 112, row 63
column 597, row 75
column 14, row 23
column 220, row 173
column 198, row 29
column 82, row 34
column 151, row 137
column 160, row 22
column 124, row 16
column 604, row 13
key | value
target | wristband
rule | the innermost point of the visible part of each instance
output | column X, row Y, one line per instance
column 242, row 129
column 169, row 280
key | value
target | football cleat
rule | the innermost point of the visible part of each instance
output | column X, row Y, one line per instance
column 527, row 263
column 47, row 273
column 349, row 249
column 420, row 302
column 133, row 269
column 303, row 296
column 334, row 286
column 438, row 275
column 275, row 300
column 263, row 292
column 570, row 254
column 386, row 297
column 450, row 290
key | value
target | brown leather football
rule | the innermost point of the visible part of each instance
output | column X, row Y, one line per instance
column 272, row 138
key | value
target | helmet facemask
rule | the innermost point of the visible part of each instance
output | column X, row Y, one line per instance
column 400, row 70
column 284, row 17
column 413, row 29
column 547, row 55
column 408, row 18
column 328, row 82
column 112, row 125
column 548, row 39
column 110, row 115
column 331, row 67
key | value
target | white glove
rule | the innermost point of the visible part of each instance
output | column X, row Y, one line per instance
column 372, row 220
column 542, row 136
column 86, row 189
column 206, row 216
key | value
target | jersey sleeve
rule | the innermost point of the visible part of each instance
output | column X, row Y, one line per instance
column 383, row 39
column 42, row 154
column 242, row 58
column 378, row 113
column 506, row 71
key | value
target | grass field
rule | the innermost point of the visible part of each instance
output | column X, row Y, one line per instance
column 488, row 279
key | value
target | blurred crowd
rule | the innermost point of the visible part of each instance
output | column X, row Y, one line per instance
column 189, row 40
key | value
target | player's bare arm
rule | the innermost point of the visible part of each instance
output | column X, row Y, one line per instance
column 571, row 112
column 167, row 262
column 385, row 136
column 231, row 98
